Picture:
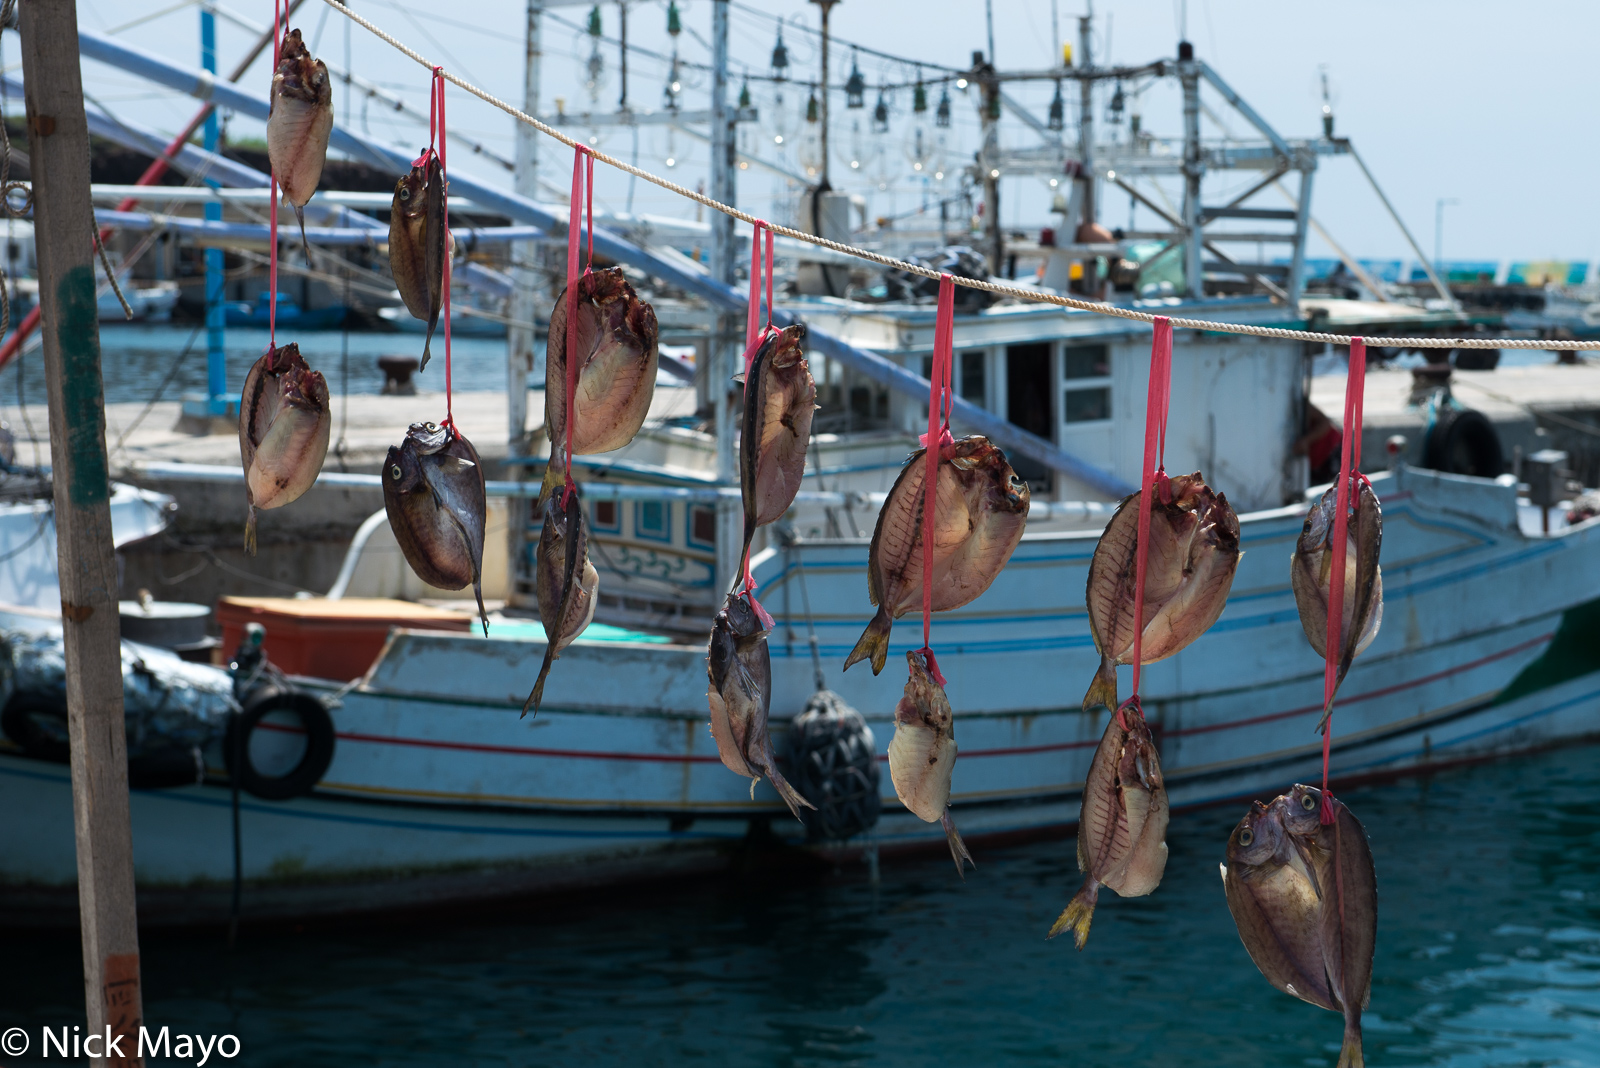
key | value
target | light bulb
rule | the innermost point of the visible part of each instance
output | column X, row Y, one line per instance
column 778, row 140
column 1054, row 183
column 671, row 162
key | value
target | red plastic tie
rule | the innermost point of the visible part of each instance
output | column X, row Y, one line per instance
column 574, row 242
column 436, row 127
column 1154, row 480
column 1349, row 474
column 934, row 443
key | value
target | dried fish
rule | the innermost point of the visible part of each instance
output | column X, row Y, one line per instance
column 1304, row 895
column 1194, row 550
column 779, row 400
column 420, row 242
column 299, row 120
column 922, row 753
column 1122, row 826
column 433, row 490
column 740, row 693
column 981, row 508
column 616, row 355
column 566, row 581
column 284, row 424
column 1311, row 575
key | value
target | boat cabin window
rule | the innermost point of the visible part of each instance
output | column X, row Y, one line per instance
column 1087, row 372
column 1029, row 403
column 703, row 527
column 970, row 378
column 606, row 516
column 650, row 521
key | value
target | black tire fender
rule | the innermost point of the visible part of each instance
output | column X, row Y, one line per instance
column 1463, row 442
column 305, row 775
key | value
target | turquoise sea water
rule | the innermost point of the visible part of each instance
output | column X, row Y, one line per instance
column 1488, row 954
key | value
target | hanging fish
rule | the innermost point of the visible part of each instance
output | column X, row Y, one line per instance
column 283, row 431
column 1194, row 550
column 981, row 507
column 780, row 398
column 433, row 490
column 565, row 580
column 740, row 670
column 922, row 753
column 1122, row 826
column 299, row 120
column 1304, row 896
column 420, row 242
column 616, row 353
column 1311, row 574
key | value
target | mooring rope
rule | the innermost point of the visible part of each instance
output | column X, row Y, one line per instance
column 1017, row 292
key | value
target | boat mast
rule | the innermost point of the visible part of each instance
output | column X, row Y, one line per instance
column 722, row 352
column 524, row 254
column 1086, row 128
column 1193, row 168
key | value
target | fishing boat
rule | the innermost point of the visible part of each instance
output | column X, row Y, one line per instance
column 415, row 778
column 435, row 787
column 290, row 315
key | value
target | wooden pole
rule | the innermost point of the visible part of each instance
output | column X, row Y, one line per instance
column 58, row 147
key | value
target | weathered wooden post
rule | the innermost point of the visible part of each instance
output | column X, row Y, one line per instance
column 58, row 146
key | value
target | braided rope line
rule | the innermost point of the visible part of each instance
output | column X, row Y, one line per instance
column 1017, row 292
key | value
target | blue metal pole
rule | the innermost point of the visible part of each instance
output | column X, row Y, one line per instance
column 216, row 348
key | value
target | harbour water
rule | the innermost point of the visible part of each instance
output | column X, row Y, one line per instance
column 1488, row 955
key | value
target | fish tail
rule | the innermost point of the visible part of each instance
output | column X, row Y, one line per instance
column 483, row 615
column 958, row 848
column 874, row 642
column 427, row 343
column 1103, row 690
column 1078, row 914
column 250, row 532
column 537, row 695
column 300, row 213
column 790, row 795
column 1351, row 1056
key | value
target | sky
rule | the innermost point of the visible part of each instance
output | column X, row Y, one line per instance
column 1489, row 106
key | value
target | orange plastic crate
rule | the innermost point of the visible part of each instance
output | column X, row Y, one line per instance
column 327, row 639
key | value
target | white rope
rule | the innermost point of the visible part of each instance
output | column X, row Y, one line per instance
column 1017, row 292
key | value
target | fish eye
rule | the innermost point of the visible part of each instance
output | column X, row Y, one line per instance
column 430, row 427
column 394, row 472
column 1246, row 836
column 405, row 194
column 1308, row 802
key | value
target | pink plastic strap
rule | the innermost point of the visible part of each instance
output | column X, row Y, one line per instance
column 574, row 241
column 436, row 107
column 1349, row 473
column 279, row 15
column 934, row 444
column 1154, row 478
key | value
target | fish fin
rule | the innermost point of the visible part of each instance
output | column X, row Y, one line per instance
column 874, row 642
column 738, row 379
column 1078, row 914
column 454, row 465
column 426, row 354
column 1351, row 1055
column 537, row 695
column 250, row 532
column 483, row 615
column 753, row 782
column 958, row 848
column 1103, row 690
column 300, row 213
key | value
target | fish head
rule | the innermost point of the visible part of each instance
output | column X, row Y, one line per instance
column 283, row 359
column 304, row 389
column 784, row 349
column 1004, row 491
column 402, row 473
column 740, row 616
column 428, row 437
column 299, row 74
column 410, row 199
column 1258, row 838
column 1301, row 810
column 924, row 703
